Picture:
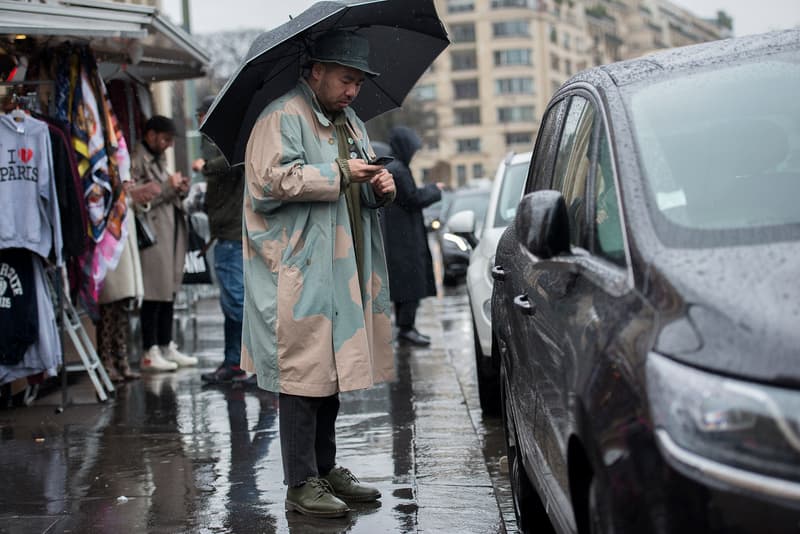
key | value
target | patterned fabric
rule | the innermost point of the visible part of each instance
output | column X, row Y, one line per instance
column 313, row 325
column 103, row 163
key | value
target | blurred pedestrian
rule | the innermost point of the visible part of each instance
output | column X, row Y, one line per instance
column 162, row 263
column 223, row 204
column 408, row 256
column 316, row 313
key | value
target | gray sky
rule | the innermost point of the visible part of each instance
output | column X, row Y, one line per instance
column 749, row 16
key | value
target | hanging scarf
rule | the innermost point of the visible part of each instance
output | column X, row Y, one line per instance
column 103, row 161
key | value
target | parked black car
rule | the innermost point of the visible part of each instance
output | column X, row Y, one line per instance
column 456, row 248
column 646, row 305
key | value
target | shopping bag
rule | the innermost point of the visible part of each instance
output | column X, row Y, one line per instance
column 195, row 267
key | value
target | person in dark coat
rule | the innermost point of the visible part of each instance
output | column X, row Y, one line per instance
column 407, row 254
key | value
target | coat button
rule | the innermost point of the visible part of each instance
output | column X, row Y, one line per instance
column 331, row 141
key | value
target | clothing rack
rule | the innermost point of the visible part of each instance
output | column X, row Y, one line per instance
column 70, row 319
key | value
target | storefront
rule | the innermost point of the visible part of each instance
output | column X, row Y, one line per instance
column 92, row 72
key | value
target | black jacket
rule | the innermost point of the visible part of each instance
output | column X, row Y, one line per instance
column 407, row 253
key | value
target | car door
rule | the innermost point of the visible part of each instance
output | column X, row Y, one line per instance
column 575, row 296
column 512, row 264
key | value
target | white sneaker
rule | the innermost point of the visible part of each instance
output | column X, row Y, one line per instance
column 172, row 354
column 154, row 361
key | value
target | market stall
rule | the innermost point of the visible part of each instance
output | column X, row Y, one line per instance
column 76, row 81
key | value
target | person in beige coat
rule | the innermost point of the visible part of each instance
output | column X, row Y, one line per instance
column 162, row 263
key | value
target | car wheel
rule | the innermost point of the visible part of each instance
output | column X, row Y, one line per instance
column 528, row 508
column 488, row 378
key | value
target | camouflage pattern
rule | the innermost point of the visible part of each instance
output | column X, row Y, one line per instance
column 310, row 327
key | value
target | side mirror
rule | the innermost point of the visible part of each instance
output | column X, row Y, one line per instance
column 542, row 224
column 463, row 224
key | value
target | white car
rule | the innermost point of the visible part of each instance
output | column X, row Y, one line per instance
column 505, row 196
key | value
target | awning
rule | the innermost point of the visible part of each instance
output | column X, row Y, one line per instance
column 133, row 38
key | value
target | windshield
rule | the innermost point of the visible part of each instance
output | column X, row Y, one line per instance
column 477, row 202
column 720, row 149
column 510, row 193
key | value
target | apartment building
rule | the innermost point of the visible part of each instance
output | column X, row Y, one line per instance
column 485, row 95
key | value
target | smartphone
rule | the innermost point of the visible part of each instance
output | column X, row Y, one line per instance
column 382, row 160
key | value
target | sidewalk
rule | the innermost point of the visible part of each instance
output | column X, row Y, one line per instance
column 169, row 454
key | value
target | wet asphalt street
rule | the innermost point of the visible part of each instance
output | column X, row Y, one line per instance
column 169, row 454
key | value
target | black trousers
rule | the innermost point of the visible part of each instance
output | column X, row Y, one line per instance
column 405, row 314
column 156, row 322
column 308, row 436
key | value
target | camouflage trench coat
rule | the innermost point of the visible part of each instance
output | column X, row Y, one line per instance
column 310, row 326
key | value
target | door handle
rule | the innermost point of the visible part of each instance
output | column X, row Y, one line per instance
column 498, row 273
column 525, row 306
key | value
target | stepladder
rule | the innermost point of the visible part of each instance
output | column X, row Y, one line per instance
column 89, row 361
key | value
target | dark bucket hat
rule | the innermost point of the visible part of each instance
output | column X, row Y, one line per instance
column 343, row 47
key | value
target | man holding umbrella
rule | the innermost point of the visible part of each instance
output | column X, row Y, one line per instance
column 317, row 310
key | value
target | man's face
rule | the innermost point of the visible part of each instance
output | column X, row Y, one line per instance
column 337, row 85
column 159, row 141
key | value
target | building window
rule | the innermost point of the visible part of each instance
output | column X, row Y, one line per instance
column 464, row 60
column 432, row 142
column 555, row 62
column 553, row 34
column 463, row 33
column 513, row 86
column 425, row 93
column 460, row 6
column 461, row 174
column 499, row 4
column 473, row 144
column 477, row 170
column 519, row 138
column 565, row 41
column 513, row 56
column 515, row 114
column 430, row 121
column 465, row 116
column 568, row 67
column 511, row 28
column 465, row 89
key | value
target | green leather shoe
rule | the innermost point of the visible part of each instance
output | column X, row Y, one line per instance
column 346, row 486
column 315, row 498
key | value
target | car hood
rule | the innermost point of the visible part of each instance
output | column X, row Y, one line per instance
column 743, row 309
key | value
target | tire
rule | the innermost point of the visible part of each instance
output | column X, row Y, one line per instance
column 528, row 508
column 488, row 378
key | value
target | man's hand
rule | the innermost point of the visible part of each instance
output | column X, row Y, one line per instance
column 198, row 164
column 361, row 171
column 383, row 183
column 179, row 182
column 143, row 193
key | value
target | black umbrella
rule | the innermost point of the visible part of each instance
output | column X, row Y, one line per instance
column 405, row 37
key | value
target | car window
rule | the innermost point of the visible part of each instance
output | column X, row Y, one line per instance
column 541, row 170
column 572, row 165
column 609, row 242
column 510, row 193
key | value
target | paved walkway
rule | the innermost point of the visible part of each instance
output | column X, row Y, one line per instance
column 171, row 455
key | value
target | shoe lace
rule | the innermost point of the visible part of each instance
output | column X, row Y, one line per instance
column 347, row 474
column 321, row 485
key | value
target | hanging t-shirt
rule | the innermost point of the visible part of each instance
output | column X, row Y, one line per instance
column 29, row 216
column 18, row 309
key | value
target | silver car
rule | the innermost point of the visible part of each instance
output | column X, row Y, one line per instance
column 505, row 196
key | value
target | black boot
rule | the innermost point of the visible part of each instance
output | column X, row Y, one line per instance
column 411, row 336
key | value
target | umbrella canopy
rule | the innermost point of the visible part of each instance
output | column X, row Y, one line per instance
column 405, row 37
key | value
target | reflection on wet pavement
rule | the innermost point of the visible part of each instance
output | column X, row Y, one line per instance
column 169, row 454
